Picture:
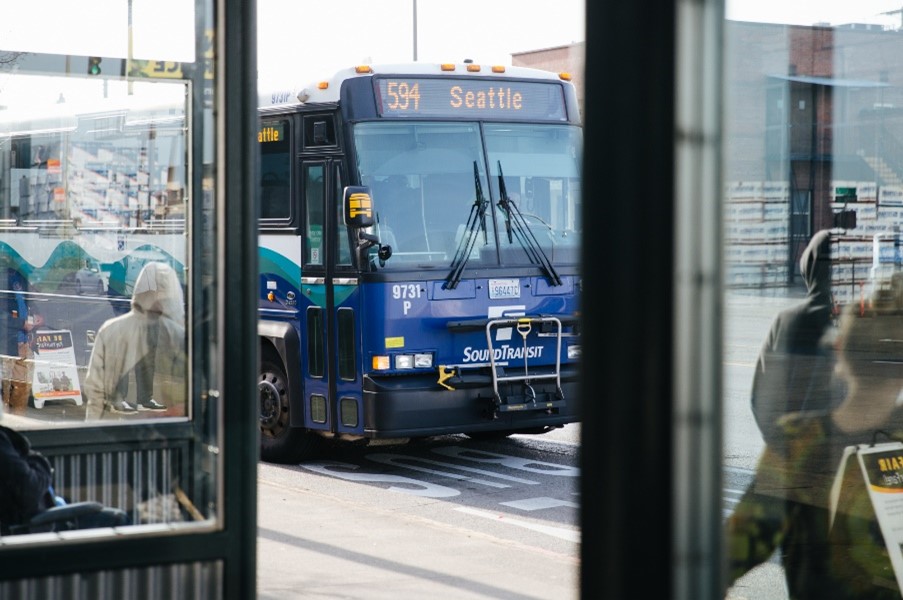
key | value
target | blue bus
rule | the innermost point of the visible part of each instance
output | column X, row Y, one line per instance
column 419, row 256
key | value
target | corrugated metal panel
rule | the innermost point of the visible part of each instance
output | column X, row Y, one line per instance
column 138, row 481
column 188, row 581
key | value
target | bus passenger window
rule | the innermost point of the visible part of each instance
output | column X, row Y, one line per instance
column 274, row 197
column 273, row 194
column 343, row 240
column 319, row 130
column 347, row 354
column 314, row 197
column 315, row 358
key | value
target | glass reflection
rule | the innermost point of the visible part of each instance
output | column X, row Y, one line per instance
column 813, row 183
column 99, row 193
column 108, row 248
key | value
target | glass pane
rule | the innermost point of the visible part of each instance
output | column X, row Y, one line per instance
column 275, row 168
column 314, row 177
column 346, row 338
column 813, row 340
column 315, row 357
column 422, row 177
column 107, row 258
column 540, row 165
column 94, row 251
column 342, row 235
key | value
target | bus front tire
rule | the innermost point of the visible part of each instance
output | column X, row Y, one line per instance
column 279, row 441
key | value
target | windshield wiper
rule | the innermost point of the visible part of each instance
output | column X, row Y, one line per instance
column 476, row 219
column 516, row 226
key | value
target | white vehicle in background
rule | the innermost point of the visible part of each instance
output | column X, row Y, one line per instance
column 91, row 280
column 886, row 273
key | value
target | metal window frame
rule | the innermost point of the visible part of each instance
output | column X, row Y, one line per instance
column 222, row 562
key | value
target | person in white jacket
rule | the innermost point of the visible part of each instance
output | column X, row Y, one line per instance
column 146, row 344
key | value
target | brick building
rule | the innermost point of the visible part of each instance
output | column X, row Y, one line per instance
column 569, row 58
column 813, row 124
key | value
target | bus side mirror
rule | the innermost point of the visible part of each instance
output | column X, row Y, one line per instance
column 358, row 204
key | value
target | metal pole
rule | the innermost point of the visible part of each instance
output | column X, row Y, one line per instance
column 415, row 30
column 128, row 58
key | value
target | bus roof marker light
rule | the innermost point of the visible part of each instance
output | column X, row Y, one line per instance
column 473, row 68
column 363, row 69
column 447, row 66
column 564, row 76
column 323, row 85
column 498, row 69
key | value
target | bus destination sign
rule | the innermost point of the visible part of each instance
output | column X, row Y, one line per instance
column 271, row 132
column 470, row 98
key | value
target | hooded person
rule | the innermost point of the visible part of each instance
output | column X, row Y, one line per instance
column 795, row 368
column 26, row 476
column 810, row 502
column 146, row 344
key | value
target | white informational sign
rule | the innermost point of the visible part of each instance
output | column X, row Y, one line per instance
column 882, row 468
column 55, row 376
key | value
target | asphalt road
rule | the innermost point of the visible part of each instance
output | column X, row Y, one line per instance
column 747, row 319
column 441, row 518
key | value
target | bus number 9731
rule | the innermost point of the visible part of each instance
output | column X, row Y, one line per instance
column 419, row 256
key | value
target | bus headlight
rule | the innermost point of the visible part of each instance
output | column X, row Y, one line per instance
column 404, row 361
column 422, row 360
column 573, row 352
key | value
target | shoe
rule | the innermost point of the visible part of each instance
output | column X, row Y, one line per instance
column 123, row 407
column 151, row 405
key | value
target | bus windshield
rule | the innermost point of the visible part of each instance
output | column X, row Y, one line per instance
column 424, row 178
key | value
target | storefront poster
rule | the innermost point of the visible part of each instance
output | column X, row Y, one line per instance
column 882, row 468
column 55, row 374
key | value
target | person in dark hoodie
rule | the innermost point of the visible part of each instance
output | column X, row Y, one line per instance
column 809, row 502
column 26, row 476
column 795, row 368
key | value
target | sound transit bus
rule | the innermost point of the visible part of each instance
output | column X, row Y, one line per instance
column 419, row 256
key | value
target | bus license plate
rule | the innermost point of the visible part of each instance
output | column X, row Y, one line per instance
column 504, row 288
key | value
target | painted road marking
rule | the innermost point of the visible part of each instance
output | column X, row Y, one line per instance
column 539, row 504
column 512, row 462
column 400, row 460
column 346, row 471
column 558, row 532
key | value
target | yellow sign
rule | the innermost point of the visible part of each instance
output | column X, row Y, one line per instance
column 165, row 69
column 158, row 69
column 270, row 133
column 395, row 342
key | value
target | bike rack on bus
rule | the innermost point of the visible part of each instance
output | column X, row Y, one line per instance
column 523, row 326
